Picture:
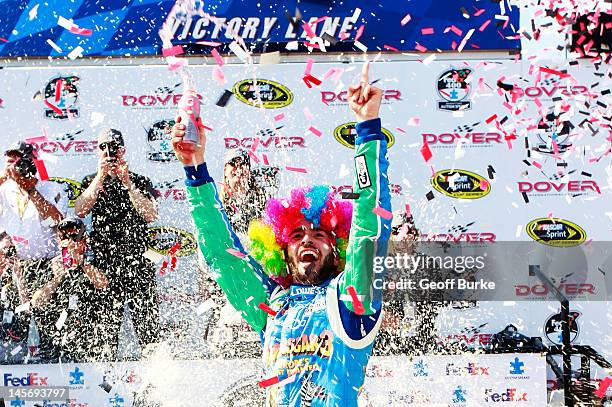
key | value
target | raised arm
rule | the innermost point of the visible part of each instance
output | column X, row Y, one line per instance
column 369, row 230
column 241, row 278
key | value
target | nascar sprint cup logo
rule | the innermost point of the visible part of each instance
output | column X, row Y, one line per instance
column 460, row 184
column 273, row 95
column 71, row 186
column 454, row 87
column 158, row 138
column 61, row 96
column 346, row 133
column 555, row 232
column 164, row 238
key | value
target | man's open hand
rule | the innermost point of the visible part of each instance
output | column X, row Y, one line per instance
column 364, row 99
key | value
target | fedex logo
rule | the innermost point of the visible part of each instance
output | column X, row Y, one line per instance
column 31, row 379
column 511, row 395
column 70, row 403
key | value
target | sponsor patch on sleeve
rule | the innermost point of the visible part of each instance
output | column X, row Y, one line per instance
column 363, row 178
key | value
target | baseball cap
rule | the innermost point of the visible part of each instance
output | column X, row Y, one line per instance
column 237, row 153
column 71, row 223
column 109, row 135
column 22, row 148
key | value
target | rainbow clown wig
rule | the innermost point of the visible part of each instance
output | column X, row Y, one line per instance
column 317, row 205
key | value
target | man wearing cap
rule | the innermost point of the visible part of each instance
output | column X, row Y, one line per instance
column 29, row 210
column 121, row 204
column 242, row 197
column 69, row 301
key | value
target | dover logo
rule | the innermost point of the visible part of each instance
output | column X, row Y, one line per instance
column 61, row 96
column 346, row 133
column 454, row 87
column 555, row 232
column 460, row 184
column 158, row 138
column 163, row 238
column 553, row 327
column 73, row 187
column 273, row 95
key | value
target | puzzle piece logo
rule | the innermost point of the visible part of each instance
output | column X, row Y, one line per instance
column 517, row 366
column 459, row 395
column 17, row 403
column 116, row 401
column 76, row 377
column 420, row 369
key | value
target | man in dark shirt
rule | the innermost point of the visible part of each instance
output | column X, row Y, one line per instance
column 122, row 203
column 69, row 301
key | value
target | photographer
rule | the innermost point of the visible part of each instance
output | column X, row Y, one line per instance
column 68, row 303
column 121, row 204
column 29, row 209
column 13, row 292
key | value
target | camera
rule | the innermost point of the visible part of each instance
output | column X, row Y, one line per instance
column 112, row 150
column 26, row 167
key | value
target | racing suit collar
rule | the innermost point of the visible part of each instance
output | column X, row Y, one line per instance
column 300, row 292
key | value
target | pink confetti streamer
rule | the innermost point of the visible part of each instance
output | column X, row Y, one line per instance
column 414, row 121
column 408, row 212
column 176, row 63
column 357, row 305
column 484, row 25
column 405, row 20
column 359, row 32
column 315, row 131
column 426, row 152
column 308, row 68
column 217, row 56
column 235, row 252
column 427, row 31
column 296, row 169
column 209, row 43
column 479, row 12
column 382, row 212
column 308, row 114
column 176, row 50
column 420, row 48
column 266, row 308
column 218, row 75
column 279, row 117
column 308, row 30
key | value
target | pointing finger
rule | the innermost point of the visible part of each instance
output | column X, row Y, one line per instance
column 365, row 77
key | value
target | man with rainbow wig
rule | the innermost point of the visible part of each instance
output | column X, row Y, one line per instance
column 307, row 285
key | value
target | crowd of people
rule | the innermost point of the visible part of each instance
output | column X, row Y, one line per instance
column 65, row 290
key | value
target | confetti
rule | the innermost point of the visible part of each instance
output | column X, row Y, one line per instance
column 22, row 308
column 430, row 196
column 218, row 58
column 235, row 252
column 269, row 58
column 309, row 80
column 224, row 99
column 382, row 212
column 426, row 152
column 54, row 46
column 308, row 113
column 357, row 305
column 427, row 31
column 315, row 131
column 240, row 53
column 59, row 324
column 72, row 27
column 266, row 308
column 405, row 20
column 603, row 387
column 154, row 256
column 420, row 48
column 169, row 52
column 349, row 195
column 296, row 169
column 75, row 53
column 414, row 121
column 279, row 117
